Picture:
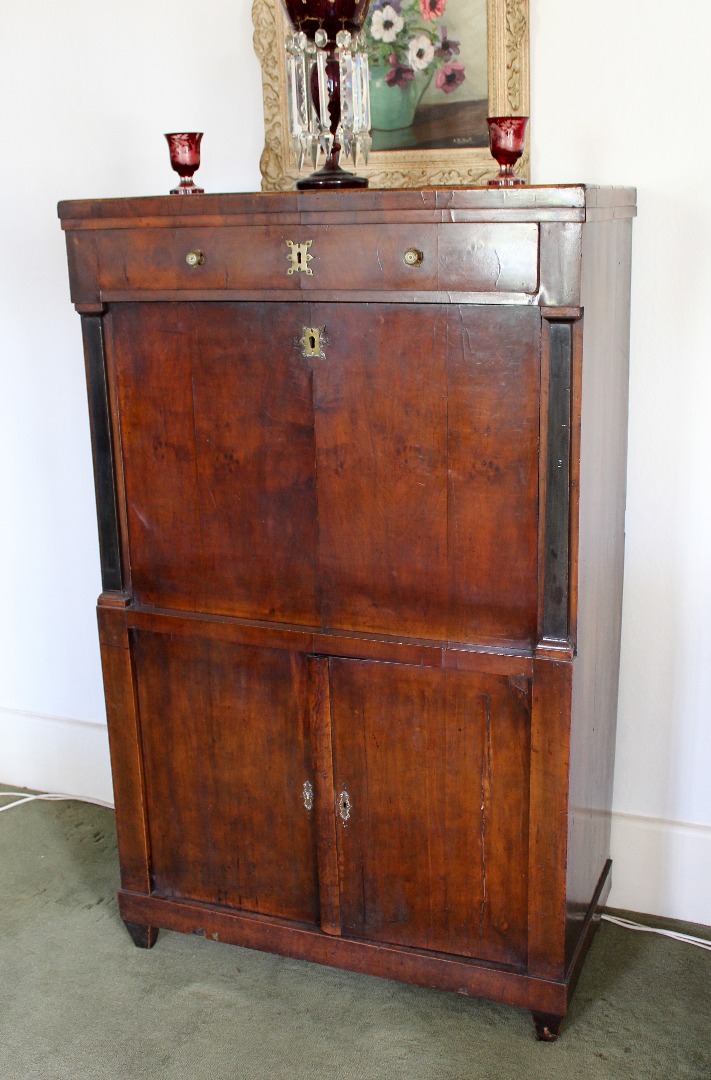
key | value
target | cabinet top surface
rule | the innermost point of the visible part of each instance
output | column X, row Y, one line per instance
column 575, row 202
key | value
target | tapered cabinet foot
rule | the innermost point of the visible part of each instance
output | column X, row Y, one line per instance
column 547, row 1026
column 144, row 937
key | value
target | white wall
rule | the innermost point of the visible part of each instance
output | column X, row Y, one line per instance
column 87, row 91
column 614, row 99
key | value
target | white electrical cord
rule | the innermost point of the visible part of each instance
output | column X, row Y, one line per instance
column 22, row 797
column 628, row 925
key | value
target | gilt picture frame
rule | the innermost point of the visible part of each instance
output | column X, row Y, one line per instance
column 507, row 65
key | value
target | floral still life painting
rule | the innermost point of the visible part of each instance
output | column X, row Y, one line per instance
column 473, row 56
column 428, row 73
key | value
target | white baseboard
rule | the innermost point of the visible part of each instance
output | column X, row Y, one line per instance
column 659, row 867
column 51, row 753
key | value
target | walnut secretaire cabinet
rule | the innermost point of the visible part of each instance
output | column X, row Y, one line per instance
column 360, row 469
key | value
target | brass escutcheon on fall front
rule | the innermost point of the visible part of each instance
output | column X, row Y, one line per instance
column 313, row 340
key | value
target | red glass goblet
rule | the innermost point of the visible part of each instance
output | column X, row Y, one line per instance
column 185, row 160
column 507, row 135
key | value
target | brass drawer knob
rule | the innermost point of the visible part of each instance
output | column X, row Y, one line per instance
column 413, row 257
column 195, row 258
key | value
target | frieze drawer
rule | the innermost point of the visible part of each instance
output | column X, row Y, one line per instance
column 373, row 259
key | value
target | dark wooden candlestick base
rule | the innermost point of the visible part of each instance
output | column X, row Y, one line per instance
column 331, row 176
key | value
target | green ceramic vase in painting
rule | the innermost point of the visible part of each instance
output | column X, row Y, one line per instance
column 393, row 107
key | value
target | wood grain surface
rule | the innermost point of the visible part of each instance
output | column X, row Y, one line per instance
column 360, row 627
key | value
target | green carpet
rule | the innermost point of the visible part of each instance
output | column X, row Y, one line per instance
column 80, row 1002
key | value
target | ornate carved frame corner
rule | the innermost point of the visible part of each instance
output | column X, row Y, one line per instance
column 508, row 60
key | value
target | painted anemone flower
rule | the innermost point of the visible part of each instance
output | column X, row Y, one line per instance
column 432, row 9
column 386, row 24
column 399, row 74
column 450, row 77
column 420, row 52
column 447, row 48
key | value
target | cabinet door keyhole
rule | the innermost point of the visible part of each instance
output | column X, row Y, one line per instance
column 344, row 806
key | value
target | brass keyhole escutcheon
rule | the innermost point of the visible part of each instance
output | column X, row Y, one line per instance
column 307, row 793
column 344, row 806
column 313, row 340
column 299, row 257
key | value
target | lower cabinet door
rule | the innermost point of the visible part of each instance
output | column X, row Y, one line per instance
column 431, row 769
column 226, row 751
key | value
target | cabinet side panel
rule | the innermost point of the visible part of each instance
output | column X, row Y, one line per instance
column 603, row 460
column 226, row 745
column 431, row 770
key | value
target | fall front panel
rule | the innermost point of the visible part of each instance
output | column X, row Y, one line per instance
column 387, row 486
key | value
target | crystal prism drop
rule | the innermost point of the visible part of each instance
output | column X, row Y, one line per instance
column 361, row 93
column 346, row 72
column 364, row 144
column 326, row 142
column 345, row 60
column 298, row 98
column 323, row 95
